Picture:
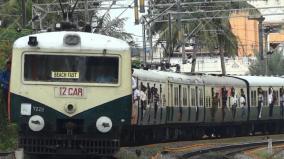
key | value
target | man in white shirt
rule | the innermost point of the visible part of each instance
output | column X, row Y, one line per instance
column 243, row 103
column 282, row 101
column 270, row 101
column 133, row 81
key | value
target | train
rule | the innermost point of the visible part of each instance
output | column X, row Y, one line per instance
column 71, row 93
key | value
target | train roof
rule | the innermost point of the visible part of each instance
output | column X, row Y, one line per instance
column 263, row 80
column 223, row 81
column 162, row 76
column 89, row 41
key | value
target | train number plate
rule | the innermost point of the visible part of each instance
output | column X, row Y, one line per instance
column 66, row 91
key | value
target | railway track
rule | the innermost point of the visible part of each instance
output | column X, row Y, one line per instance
column 221, row 148
column 229, row 150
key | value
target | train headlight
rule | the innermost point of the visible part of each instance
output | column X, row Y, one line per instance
column 104, row 124
column 36, row 123
column 72, row 40
column 70, row 108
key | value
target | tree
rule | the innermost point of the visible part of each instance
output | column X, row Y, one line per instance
column 11, row 13
column 275, row 65
column 213, row 32
column 113, row 27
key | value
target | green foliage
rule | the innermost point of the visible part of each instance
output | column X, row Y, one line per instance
column 7, row 38
column 275, row 65
column 11, row 13
column 136, row 64
column 8, row 137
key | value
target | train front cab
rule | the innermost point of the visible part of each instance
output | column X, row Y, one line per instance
column 59, row 105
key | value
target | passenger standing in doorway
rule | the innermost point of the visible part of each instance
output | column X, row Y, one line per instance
column 260, row 101
column 224, row 102
column 215, row 102
column 133, row 81
column 156, row 102
column 243, row 103
column 233, row 102
column 135, row 102
column 282, row 102
column 143, row 99
column 135, row 99
column 270, row 101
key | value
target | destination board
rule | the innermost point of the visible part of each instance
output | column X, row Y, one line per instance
column 73, row 75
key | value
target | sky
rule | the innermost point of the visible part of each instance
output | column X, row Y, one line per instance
column 130, row 27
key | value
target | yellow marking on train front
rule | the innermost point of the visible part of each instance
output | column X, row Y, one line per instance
column 65, row 74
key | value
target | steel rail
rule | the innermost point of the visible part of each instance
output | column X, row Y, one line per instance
column 241, row 146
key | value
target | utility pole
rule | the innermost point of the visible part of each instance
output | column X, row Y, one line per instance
column 150, row 42
column 86, row 12
column 181, row 33
column 260, row 41
column 170, row 37
column 144, row 40
column 193, row 42
column 266, row 50
column 23, row 13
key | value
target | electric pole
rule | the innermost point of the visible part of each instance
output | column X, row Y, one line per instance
column 260, row 42
column 23, row 13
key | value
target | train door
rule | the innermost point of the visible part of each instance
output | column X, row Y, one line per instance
column 253, row 110
column 208, row 94
column 193, row 103
column 200, row 104
column 176, row 115
column 185, row 102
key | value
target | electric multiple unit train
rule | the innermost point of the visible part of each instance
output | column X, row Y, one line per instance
column 71, row 93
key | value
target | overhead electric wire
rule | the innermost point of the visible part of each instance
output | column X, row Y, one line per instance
column 227, row 10
column 210, row 2
column 221, row 17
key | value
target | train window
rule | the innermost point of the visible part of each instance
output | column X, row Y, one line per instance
column 207, row 102
column 193, row 97
column 176, row 95
column 65, row 68
column 172, row 94
column 184, row 96
column 201, row 96
column 188, row 96
column 253, row 99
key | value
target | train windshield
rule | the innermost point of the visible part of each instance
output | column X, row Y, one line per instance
column 64, row 68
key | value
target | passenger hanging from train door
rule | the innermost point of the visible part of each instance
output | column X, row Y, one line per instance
column 233, row 102
column 282, row 102
column 133, row 81
column 270, row 101
column 156, row 102
column 135, row 99
column 161, row 103
column 215, row 102
column 274, row 101
column 143, row 101
column 224, row 102
column 243, row 103
column 260, row 102
column 135, row 103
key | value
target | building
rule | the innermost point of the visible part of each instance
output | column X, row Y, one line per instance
column 247, row 30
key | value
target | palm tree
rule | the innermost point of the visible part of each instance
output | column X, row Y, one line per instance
column 113, row 27
column 217, row 30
